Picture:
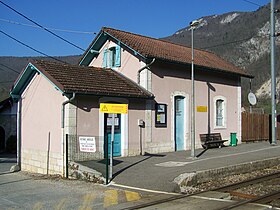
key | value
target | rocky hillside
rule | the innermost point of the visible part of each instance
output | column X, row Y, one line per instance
column 241, row 38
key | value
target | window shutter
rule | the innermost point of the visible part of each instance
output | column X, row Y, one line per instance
column 105, row 53
column 118, row 56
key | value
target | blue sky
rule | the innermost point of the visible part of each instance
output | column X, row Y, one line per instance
column 155, row 18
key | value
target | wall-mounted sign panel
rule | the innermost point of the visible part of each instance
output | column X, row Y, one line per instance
column 114, row 108
column 201, row 108
column 87, row 144
column 161, row 115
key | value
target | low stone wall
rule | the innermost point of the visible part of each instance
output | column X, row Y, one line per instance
column 74, row 153
column 155, row 148
column 78, row 171
column 37, row 161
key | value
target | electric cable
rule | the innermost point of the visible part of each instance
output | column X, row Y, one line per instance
column 30, row 47
column 53, row 29
column 65, row 40
column 11, row 69
column 250, row 2
column 227, row 43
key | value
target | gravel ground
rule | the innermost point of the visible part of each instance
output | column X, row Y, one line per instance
column 257, row 189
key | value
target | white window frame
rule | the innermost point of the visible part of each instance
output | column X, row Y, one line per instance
column 124, row 125
column 186, row 118
column 224, row 124
column 112, row 49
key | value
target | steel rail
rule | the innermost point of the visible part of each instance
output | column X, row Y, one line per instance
column 264, row 199
column 248, row 182
column 226, row 188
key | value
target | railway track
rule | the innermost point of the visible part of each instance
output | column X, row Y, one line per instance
column 260, row 199
column 229, row 189
column 264, row 199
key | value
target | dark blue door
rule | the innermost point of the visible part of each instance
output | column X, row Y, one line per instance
column 179, row 123
column 117, row 136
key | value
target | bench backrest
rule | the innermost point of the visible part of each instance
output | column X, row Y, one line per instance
column 210, row 137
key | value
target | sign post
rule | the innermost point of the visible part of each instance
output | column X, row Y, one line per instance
column 112, row 109
column 112, row 143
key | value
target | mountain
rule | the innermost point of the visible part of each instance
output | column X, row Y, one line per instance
column 10, row 68
column 242, row 38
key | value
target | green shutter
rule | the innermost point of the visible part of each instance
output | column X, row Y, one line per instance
column 105, row 53
column 118, row 56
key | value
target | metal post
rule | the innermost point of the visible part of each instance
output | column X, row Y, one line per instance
column 66, row 155
column 112, row 145
column 193, row 103
column 48, row 154
column 19, row 133
column 140, row 140
column 250, row 92
column 273, row 80
column 107, row 159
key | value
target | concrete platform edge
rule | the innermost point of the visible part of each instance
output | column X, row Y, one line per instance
column 194, row 178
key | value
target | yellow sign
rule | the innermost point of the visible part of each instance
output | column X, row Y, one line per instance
column 114, row 108
column 201, row 108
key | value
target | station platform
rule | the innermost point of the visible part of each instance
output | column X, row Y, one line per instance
column 157, row 172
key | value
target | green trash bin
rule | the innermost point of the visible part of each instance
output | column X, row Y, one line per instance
column 233, row 140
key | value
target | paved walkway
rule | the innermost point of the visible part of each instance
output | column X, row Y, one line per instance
column 157, row 171
column 6, row 162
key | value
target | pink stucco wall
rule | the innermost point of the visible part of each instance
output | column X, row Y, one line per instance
column 89, row 122
column 136, row 111
column 87, row 116
column 129, row 64
column 41, row 115
column 170, row 79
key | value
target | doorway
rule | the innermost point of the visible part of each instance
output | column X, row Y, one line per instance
column 108, row 118
column 179, row 122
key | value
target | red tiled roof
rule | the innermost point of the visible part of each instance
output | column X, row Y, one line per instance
column 155, row 48
column 90, row 80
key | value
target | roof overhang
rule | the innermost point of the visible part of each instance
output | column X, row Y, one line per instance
column 24, row 79
column 94, row 49
column 31, row 70
column 223, row 71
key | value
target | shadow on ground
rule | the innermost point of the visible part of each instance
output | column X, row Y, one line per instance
column 119, row 164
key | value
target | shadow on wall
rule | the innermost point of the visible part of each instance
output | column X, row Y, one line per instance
column 210, row 88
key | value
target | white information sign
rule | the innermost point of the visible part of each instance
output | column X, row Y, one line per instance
column 87, row 144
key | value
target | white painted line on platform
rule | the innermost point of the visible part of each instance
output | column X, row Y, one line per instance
column 143, row 189
column 210, row 199
column 178, row 164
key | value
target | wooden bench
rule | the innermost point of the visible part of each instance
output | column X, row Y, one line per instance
column 211, row 140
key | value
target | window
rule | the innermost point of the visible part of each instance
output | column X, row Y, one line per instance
column 220, row 112
column 112, row 57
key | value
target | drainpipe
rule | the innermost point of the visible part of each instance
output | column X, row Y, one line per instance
column 144, row 67
column 19, row 134
column 63, row 108
column 62, row 126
